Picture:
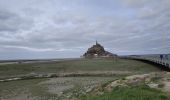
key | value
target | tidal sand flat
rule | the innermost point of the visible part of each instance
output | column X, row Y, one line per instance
column 62, row 87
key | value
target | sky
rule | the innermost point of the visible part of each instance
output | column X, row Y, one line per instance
column 35, row 29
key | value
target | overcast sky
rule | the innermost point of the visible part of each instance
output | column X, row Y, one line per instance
column 67, row 28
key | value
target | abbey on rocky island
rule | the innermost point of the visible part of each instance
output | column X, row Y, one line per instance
column 97, row 50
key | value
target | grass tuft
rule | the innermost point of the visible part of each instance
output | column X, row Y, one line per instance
column 131, row 93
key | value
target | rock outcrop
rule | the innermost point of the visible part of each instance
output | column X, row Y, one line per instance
column 98, row 50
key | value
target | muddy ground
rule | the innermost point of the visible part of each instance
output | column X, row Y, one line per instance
column 43, row 89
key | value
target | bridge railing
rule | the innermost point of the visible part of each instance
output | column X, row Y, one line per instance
column 157, row 60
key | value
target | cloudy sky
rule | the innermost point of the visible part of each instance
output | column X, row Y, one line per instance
column 66, row 28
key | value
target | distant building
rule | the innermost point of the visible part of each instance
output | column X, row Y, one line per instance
column 96, row 51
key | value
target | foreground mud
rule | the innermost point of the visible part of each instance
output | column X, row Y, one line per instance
column 49, row 88
column 72, row 86
column 160, row 81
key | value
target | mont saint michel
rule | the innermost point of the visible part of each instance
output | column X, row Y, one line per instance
column 97, row 50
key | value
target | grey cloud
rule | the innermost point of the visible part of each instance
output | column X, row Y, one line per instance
column 8, row 21
column 57, row 28
column 12, row 22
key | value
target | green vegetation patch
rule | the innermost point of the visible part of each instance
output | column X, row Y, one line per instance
column 137, row 67
column 30, row 88
column 130, row 93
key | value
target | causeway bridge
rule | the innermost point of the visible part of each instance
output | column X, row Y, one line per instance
column 163, row 60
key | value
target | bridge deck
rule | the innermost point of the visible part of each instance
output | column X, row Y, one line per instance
column 165, row 61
